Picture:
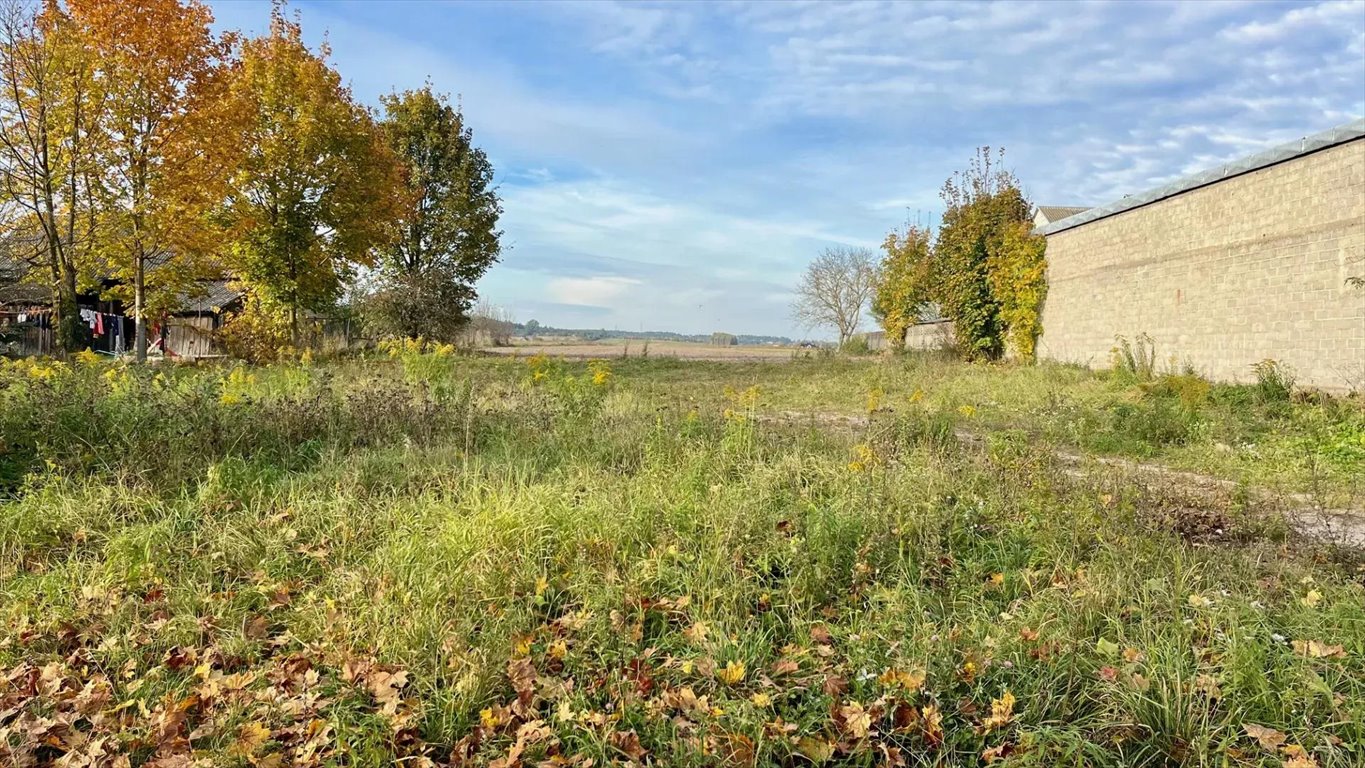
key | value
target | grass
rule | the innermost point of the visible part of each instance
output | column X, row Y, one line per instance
column 460, row 561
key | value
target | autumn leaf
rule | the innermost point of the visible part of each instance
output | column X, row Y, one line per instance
column 816, row 750
column 1312, row 599
column 250, row 738
column 932, row 720
column 1199, row 601
column 1002, row 712
column 1317, row 650
column 910, row 681
column 628, row 743
column 1269, row 738
column 1298, row 757
column 385, row 686
column 732, row 673
column 857, row 720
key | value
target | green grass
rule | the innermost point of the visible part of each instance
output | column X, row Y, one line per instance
column 469, row 561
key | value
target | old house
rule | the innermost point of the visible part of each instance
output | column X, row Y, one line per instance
column 187, row 332
column 1253, row 260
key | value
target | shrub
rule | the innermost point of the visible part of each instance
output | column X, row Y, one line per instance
column 1135, row 359
column 1274, row 381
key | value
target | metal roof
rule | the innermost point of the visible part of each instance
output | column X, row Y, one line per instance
column 1058, row 212
column 1307, row 145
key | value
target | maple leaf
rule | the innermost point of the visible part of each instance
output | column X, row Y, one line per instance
column 1298, row 757
column 250, row 738
column 1002, row 712
column 385, row 686
column 732, row 673
column 1269, row 738
column 992, row 754
column 857, row 720
column 816, row 750
column 910, row 681
column 1318, row 650
column 785, row 667
column 628, row 742
column 1311, row 599
column 932, row 721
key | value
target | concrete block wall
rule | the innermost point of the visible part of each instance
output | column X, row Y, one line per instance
column 930, row 336
column 1249, row 268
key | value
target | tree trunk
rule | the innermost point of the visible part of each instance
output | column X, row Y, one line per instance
column 70, row 335
column 139, row 308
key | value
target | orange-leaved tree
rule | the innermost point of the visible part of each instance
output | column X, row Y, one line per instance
column 48, row 96
column 316, row 191
column 165, row 149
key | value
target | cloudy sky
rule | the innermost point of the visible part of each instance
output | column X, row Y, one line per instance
column 674, row 166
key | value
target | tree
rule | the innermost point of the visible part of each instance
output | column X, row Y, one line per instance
column 46, row 154
column 315, row 191
column 448, row 236
column 162, row 156
column 981, row 283
column 835, row 290
column 905, row 282
column 532, row 326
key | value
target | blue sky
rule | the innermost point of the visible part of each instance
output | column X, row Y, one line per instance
column 675, row 166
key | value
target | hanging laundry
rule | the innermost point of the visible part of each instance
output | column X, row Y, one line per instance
column 23, row 317
column 99, row 323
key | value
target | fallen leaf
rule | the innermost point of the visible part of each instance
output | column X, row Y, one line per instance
column 1269, row 738
column 857, row 720
column 1317, row 650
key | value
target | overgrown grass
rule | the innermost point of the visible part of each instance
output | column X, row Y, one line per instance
column 477, row 562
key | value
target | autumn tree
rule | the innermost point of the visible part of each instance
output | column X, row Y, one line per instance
column 447, row 227
column 988, row 269
column 316, row 191
column 163, row 158
column 49, row 102
column 835, row 290
column 905, row 283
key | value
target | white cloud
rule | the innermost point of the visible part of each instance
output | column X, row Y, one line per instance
column 589, row 291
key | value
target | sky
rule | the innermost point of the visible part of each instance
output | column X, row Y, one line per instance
column 676, row 166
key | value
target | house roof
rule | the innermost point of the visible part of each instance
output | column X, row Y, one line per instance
column 215, row 295
column 1053, row 213
column 1305, row 146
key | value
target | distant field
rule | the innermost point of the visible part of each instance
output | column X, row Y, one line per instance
column 682, row 350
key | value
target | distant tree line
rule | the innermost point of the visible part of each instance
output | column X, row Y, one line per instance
column 534, row 328
column 142, row 153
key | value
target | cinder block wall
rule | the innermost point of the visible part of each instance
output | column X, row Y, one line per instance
column 930, row 336
column 1223, row 276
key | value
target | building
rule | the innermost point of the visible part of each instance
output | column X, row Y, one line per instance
column 1047, row 214
column 1249, row 261
column 188, row 332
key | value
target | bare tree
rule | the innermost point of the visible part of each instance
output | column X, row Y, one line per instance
column 835, row 290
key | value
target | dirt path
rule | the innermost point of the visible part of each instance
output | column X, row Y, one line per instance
column 1305, row 514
